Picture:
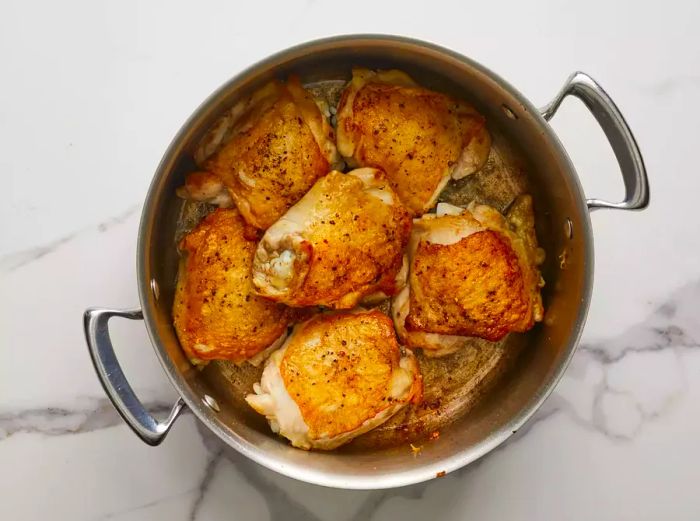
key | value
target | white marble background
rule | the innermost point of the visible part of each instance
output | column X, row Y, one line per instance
column 90, row 95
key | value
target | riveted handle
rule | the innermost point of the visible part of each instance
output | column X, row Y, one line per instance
column 619, row 136
column 115, row 383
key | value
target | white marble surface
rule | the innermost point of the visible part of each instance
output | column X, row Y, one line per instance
column 90, row 95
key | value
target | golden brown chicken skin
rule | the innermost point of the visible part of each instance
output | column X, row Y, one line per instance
column 417, row 136
column 264, row 154
column 470, row 274
column 341, row 242
column 338, row 375
column 216, row 313
column 482, row 277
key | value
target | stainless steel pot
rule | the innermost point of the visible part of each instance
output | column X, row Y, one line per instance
column 564, row 229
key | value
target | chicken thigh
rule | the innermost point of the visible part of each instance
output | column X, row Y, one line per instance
column 341, row 242
column 418, row 137
column 471, row 273
column 216, row 313
column 264, row 154
column 337, row 376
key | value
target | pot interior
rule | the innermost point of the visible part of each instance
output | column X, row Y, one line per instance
column 513, row 378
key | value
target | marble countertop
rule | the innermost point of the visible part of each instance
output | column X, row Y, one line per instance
column 91, row 94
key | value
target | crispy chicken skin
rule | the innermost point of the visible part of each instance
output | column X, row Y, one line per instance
column 342, row 241
column 418, row 137
column 471, row 273
column 264, row 154
column 337, row 376
column 216, row 313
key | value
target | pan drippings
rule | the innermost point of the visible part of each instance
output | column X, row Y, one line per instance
column 453, row 384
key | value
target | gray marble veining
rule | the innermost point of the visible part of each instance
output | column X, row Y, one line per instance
column 617, row 440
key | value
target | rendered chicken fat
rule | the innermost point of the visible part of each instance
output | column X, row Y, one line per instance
column 337, row 376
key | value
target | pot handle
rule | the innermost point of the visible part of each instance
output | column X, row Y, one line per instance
column 115, row 384
column 619, row 135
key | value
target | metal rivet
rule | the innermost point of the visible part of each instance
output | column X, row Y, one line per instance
column 211, row 403
column 155, row 288
column 509, row 112
column 568, row 228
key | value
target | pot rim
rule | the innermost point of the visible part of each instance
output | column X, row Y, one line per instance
column 408, row 476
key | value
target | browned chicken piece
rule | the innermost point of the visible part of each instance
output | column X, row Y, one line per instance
column 418, row 137
column 337, row 376
column 216, row 313
column 471, row 273
column 207, row 188
column 264, row 154
column 341, row 242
